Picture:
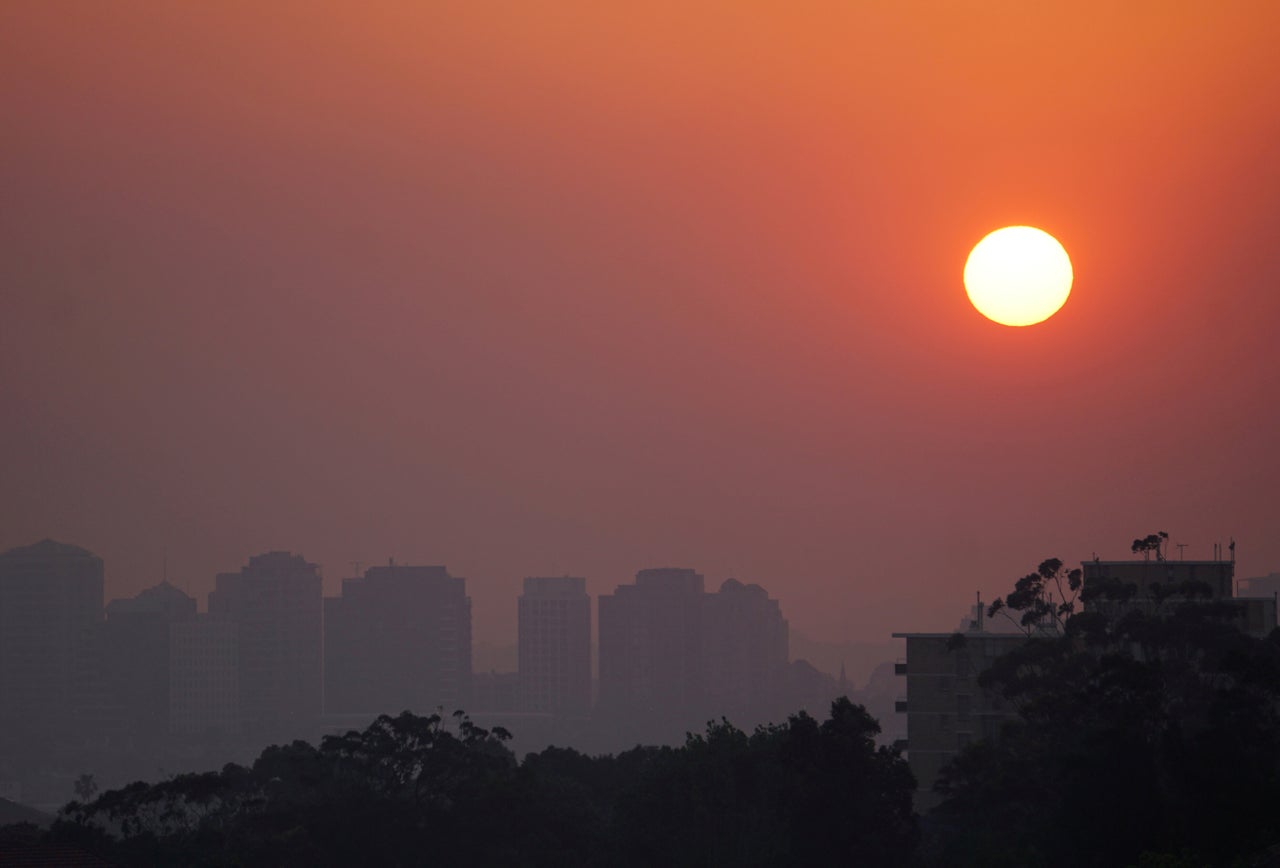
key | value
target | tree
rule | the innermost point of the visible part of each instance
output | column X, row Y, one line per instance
column 1151, row 543
column 787, row 794
column 86, row 787
column 1033, row 596
column 408, row 788
column 1151, row 728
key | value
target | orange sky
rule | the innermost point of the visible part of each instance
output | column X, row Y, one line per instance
column 526, row 288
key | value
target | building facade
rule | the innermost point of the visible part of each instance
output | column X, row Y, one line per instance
column 1257, row 606
column 651, row 645
column 946, row 708
column 674, row 657
column 275, row 602
column 745, row 653
column 204, row 678
column 555, row 646
column 397, row 639
column 131, row 661
column 50, row 605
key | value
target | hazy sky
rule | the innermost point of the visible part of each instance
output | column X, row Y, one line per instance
column 529, row 288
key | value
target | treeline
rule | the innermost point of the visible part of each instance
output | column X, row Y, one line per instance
column 413, row 790
column 1147, row 734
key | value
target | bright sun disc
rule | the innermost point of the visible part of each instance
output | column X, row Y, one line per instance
column 1018, row 276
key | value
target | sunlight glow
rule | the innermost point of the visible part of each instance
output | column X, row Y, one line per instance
column 1018, row 276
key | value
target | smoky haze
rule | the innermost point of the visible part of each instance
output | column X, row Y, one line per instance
column 603, row 371
column 525, row 296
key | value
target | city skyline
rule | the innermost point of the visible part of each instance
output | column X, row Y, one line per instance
column 499, row 620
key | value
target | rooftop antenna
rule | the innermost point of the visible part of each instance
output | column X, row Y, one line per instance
column 1233, row 549
column 355, row 566
column 1180, row 546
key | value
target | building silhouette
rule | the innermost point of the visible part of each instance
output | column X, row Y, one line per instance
column 1261, row 586
column 1257, row 613
column 130, row 662
column 673, row 657
column 275, row 603
column 50, row 604
column 398, row 638
column 555, row 646
column 651, row 648
column 946, row 708
column 744, row 653
column 204, row 678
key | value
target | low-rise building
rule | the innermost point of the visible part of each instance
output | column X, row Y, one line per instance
column 945, row 706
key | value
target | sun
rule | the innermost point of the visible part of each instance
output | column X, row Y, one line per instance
column 1018, row 276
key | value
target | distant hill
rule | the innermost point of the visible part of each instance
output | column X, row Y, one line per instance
column 12, row 812
column 858, row 658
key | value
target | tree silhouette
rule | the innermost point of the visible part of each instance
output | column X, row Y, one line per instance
column 1146, row 729
column 408, row 789
column 1033, row 596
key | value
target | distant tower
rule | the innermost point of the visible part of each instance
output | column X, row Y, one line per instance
column 204, row 677
column 275, row 602
column 651, row 647
column 132, row 661
column 397, row 639
column 745, row 643
column 555, row 646
column 50, row 605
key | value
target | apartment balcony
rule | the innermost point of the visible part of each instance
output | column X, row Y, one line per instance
column 900, row 705
column 900, row 667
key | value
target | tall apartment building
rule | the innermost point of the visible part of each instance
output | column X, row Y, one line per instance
column 555, row 646
column 398, row 638
column 651, row 646
column 131, row 664
column 674, row 657
column 745, row 646
column 204, row 677
column 50, row 604
column 275, row 602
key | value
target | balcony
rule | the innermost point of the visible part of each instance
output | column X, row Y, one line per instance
column 900, row 705
column 900, row 744
column 900, row 667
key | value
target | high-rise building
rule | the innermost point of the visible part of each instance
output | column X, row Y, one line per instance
column 50, row 604
column 130, row 664
column 275, row 602
column 398, row 638
column 651, row 647
column 204, row 677
column 745, row 645
column 673, row 657
column 555, row 646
